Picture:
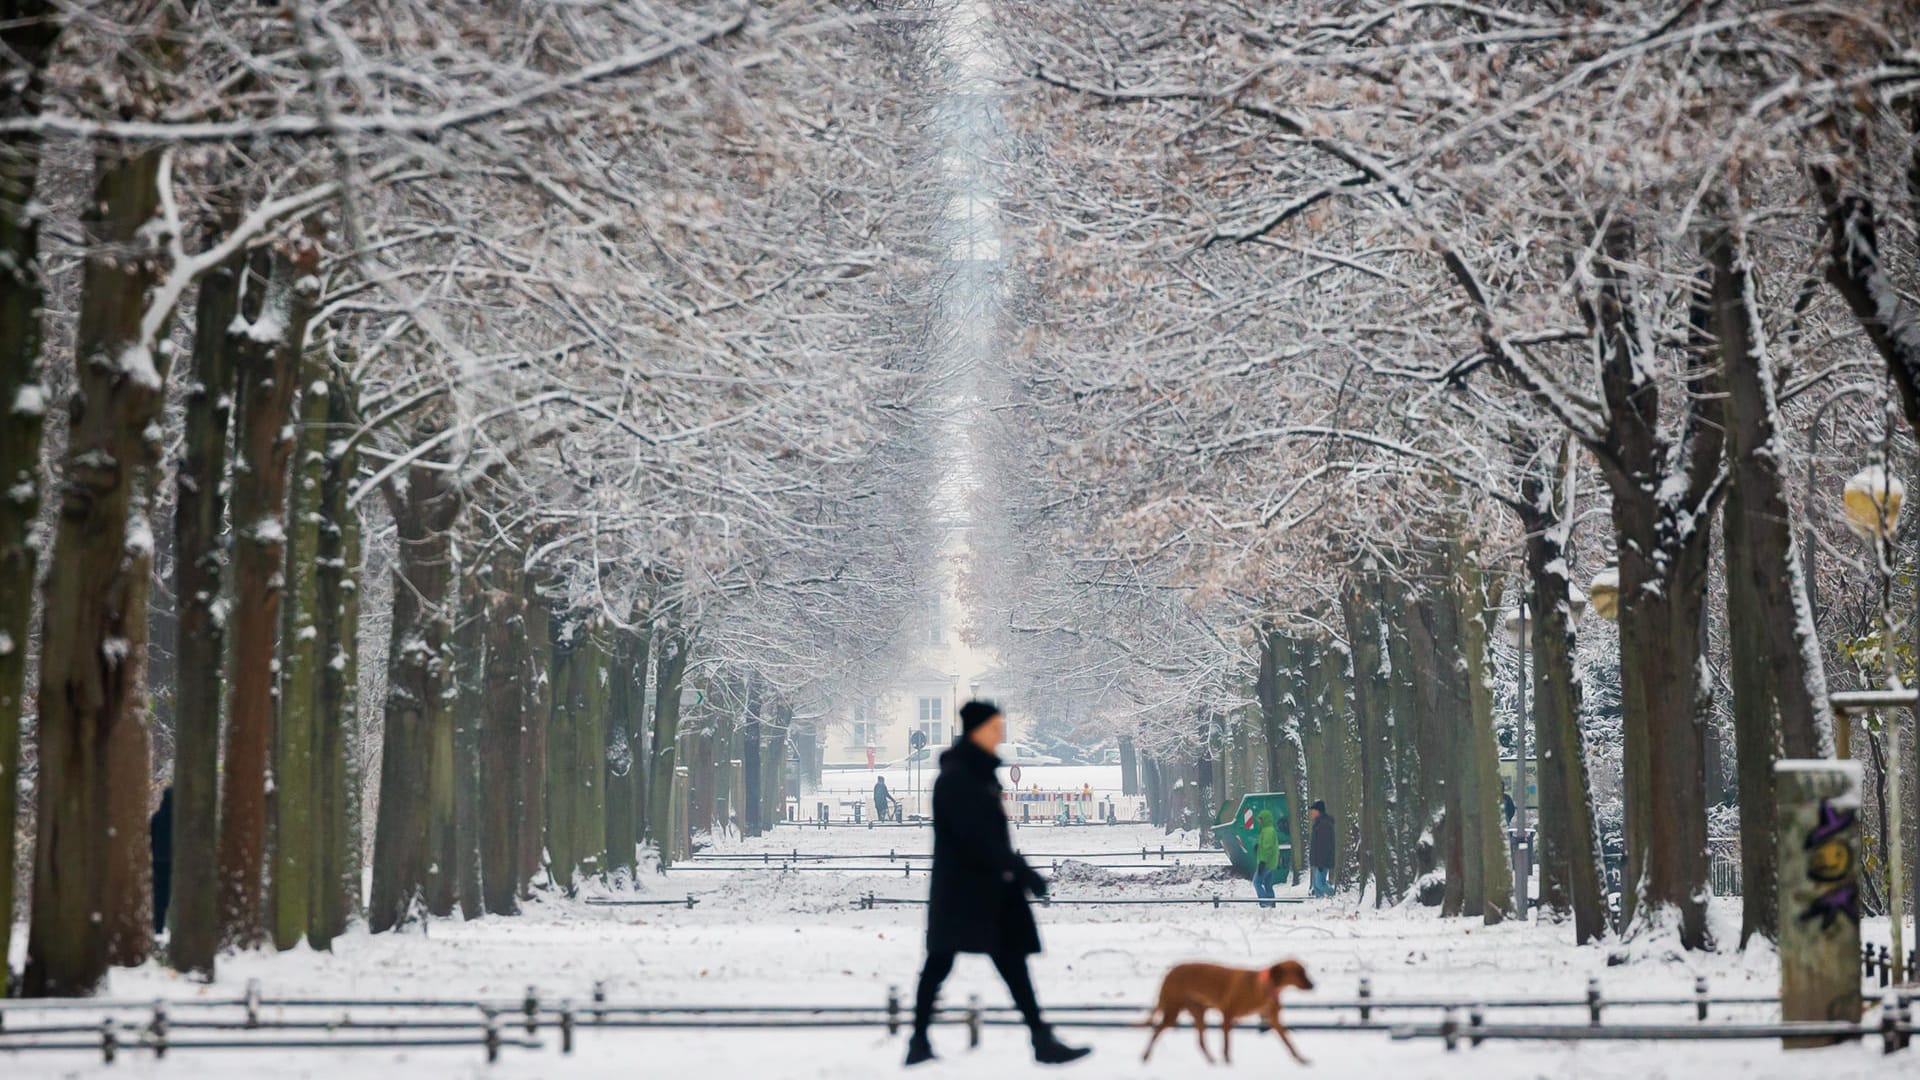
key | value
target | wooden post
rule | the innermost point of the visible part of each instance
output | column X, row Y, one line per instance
column 1817, row 810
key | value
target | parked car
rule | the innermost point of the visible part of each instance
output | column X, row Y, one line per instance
column 1014, row 753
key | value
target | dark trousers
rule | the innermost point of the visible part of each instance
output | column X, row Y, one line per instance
column 1012, row 968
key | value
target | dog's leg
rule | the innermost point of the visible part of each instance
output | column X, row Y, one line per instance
column 1226, row 1039
column 1273, row 1021
column 1200, row 1032
column 1161, row 1020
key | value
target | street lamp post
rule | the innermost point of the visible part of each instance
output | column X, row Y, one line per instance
column 1871, row 502
column 1517, row 839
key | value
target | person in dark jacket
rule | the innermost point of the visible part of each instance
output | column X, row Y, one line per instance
column 160, row 847
column 881, row 796
column 1320, row 849
column 977, row 901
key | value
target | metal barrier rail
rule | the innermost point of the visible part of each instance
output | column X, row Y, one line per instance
column 1895, row 1030
column 870, row 901
column 907, row 869
column 797, row 856
column 688, row 903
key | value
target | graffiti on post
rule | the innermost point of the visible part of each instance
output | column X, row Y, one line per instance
column 1830, row 867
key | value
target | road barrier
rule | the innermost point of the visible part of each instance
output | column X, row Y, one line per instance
column 154, row 1026
column 893, row 855
column 870, row 901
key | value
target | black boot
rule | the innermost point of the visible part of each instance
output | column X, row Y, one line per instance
column 919, row 1049
column 1048, row 1050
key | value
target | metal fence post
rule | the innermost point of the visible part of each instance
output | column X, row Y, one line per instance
column 1700, row 997
column 1474, row 1020
column 566, row 1027
column 531, row 1006
column 109, row 1042
column 253, row 1003
column 1593, row 1001
column 973, row 1021
column 1366, row 999
column 158, row 1030
column 1450, row 1029
column 491, row 1037
column 600, row 1001
column 893, row 1010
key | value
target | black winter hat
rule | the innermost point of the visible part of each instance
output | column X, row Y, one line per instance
column 975, row 713
column 1320, row 805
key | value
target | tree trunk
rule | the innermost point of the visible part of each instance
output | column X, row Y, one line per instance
column 626, row 733
column 1661, row 492
column 563, row 758
column 336, row 873
column 538, row 696
column 269, row 369
column 1129, row 767
column 27, row 35
column 1571, row 878
column 1376, row 747
column 1480, row 815
column 417, row 671
column 590, row 749
column 503, row 736
column 199, row 564
column 1779, row 681
column 754, row 812
column 294, row 850
column 700, row 813
column 90, row 883
column 669, row 667
column 469, row 673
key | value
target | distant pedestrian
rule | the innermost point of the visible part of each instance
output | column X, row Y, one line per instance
column 881, row 797
column 1266, row 858
column 160, row 848
column 977, row 901
column 1320, row 849
column 1506, row 807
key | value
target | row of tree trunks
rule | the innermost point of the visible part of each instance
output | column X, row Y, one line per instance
column 268, row 366
column 27, row 35
column 90, row 885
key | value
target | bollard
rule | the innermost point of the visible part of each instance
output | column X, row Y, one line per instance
column 1593, row 1001
column 253, row 1003
column 1450, row 1029
column 600, row 1001
column 532, row 1008
column 1886, row 966
column 1700, row 997
column 906, row 871
column 1889, row 1025
column 1216, row 901
column 973, row 1021
column 1474, row 1020
column 1817, row 806
column 109, row 1042
column 893, row 1010
column 690, row 901
column 566, row 1027
column 491, row 1037
column 1867, row 960
column 157, row 1031
column 1366, row 999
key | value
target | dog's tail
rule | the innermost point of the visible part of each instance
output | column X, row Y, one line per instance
column 1153, row 1016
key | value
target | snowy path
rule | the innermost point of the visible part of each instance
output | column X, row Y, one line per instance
column 761, row 937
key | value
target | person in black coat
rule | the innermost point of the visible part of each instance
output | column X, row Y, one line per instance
column 1320, row 849
column 160, row 848
column 977, row 900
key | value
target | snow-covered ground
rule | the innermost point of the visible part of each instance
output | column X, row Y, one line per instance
column 760, row 936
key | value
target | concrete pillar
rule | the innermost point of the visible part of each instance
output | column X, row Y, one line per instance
column 1819, row 837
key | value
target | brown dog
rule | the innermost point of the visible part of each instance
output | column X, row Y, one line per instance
column 1235, row 992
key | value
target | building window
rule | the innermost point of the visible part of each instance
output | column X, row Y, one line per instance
column 932, row 720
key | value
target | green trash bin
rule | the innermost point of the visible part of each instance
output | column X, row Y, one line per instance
column 1238, row 829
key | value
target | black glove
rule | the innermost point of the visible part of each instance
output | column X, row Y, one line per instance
column 1036, row 884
